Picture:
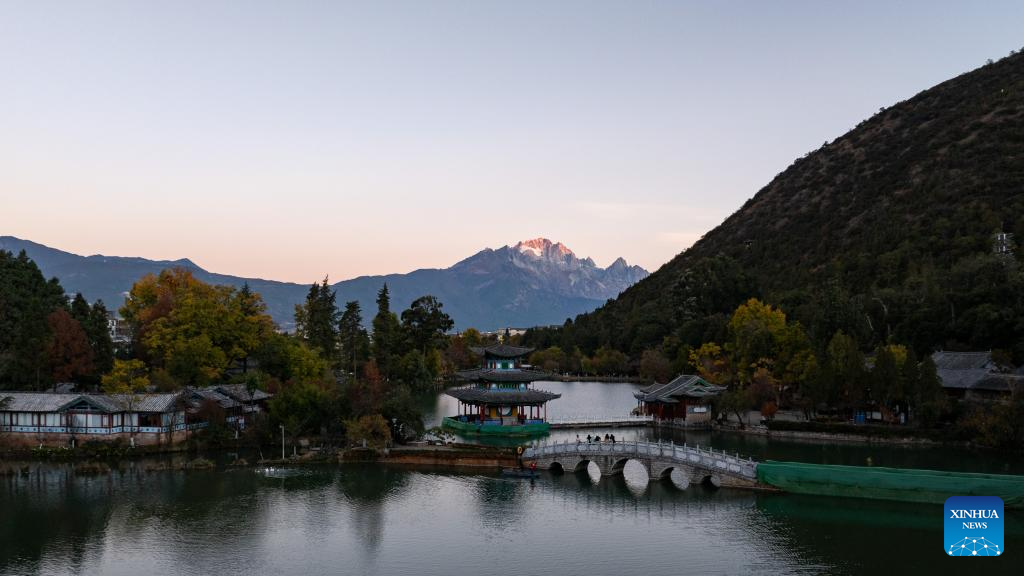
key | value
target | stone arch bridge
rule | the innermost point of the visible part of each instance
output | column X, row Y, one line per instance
column 696, row 464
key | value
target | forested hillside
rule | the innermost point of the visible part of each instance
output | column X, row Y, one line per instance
column 888, row 233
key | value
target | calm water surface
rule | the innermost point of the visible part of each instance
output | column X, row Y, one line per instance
column 366, row 519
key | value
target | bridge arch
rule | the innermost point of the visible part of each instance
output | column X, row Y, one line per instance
column 618, row 466
column 583, row 465
column 664, row 473
column 556, row 467
column 711, row 480
column 676, row 475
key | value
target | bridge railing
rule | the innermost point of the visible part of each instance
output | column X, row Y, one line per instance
column 686, row 454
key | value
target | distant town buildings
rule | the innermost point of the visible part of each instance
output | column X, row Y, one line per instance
column 1003, row 244
column 504, row 334
column 120, row 332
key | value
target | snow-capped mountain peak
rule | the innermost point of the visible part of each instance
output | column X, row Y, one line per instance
column 544, row 248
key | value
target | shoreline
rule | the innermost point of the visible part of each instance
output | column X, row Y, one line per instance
column 470, row 455
column 835, row 437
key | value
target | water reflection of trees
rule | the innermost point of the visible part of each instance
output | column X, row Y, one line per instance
column 246, row 519
column 49, row 506
column 63, row 517
column 368, row 488
column 834, row 533
column 53, row 517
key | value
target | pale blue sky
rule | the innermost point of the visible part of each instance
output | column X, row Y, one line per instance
column 294, row 139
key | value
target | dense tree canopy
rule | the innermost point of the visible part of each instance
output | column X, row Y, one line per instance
column 44, row 339
column 388, row 341
column 94, row 320
column 316, row 321
column 354, row 340
column 68, row 352
column 426, row 324
column 192, row 329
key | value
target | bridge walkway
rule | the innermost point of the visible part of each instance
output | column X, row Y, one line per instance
column 658, row 458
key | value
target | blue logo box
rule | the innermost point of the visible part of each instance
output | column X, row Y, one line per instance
column 973, row 526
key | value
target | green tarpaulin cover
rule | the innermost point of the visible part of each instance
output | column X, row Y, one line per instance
column 908, row 485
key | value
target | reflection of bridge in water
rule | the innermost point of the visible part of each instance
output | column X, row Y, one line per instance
column 694, row 464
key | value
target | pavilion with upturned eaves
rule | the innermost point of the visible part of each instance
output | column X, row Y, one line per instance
column 686, row 398
column 499, row 398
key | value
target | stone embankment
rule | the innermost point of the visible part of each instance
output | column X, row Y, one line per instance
column 832, row 437
column 451, row 456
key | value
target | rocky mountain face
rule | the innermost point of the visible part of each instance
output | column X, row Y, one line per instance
column 535, row 282
column 552, row 267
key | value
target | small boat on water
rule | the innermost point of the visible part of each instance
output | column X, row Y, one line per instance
column 520, row 473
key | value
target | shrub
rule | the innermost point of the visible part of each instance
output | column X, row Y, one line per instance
column 373, row 429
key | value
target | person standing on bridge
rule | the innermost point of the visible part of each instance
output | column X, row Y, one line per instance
column 577, row 438
column 589, row 440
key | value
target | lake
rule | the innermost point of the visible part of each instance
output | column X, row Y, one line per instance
column 371, row 519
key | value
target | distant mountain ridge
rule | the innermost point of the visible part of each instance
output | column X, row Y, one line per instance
column 535, row 282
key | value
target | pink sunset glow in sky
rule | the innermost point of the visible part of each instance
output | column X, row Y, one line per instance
column 290, row 141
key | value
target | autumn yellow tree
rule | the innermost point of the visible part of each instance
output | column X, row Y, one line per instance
column 769, row 351
column 192, row 329
column 125, row 383
column 756, row 329
column 712, row 364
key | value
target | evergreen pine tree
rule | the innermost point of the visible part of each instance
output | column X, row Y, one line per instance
column 26, row 301
column 94, row 321
column 98, row 329
column 355, row 342
column 80, row 308
column 316, row 321
column 387, row 335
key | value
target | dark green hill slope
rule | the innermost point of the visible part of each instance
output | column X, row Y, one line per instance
column 887, row 232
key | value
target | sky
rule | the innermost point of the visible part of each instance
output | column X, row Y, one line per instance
column 294, row 140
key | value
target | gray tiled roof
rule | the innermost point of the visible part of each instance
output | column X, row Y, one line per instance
column 685, row 385
column 980, row 380
column 501, row 351
column 141, row 403
column 37, row 401
column 239, row 392
column 963, row 360
column 47, row 402
column 492, row 375
column 974, row 371
column 199, row 395
column 478, row 395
